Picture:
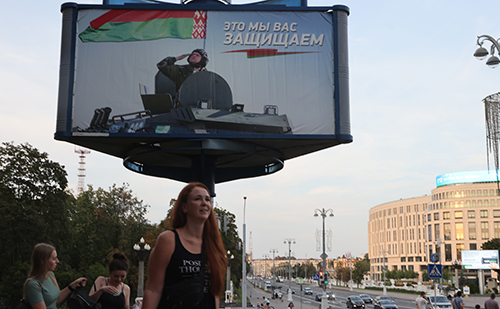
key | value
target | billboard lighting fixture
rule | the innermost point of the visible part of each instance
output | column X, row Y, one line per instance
column 271, row 109
column 205, row 104
column 237, row 108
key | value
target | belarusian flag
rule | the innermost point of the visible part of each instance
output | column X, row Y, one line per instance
column 142, row 25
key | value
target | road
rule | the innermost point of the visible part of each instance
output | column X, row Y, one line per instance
column 302, row 301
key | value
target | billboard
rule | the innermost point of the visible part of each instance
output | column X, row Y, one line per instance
column 466, row 177
column 479, row 259
column 271, row 78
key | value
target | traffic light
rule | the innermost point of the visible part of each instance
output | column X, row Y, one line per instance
column 321, row 277
column 325, row 279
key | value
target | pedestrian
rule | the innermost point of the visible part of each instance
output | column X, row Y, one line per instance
column 478, row 306
column 110, row 291
column 491, row 303
column 290, row 305
column 458, row 302
column 421, row 301
column 182, row 255
column 41, row 289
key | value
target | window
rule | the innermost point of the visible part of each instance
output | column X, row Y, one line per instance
column 395, row 210
column 429, row 233
column 447, row 252
column 437, row 233
column 446, row 215
column 429, row 218
column 460, row 247
column 410, row 259
column 459, row 231
column 459, row 215
column 389, row 212
column 471, row 214
column 418, row 259
column 473, row 193
column 388, row 223
column 484, row 214
column 394, row 236
column 403, row 235
column 478, row 192
column 447, row 231
column 401, row 209
column 472, row 230
column 496, row 228
column 403, row 259
column 485, row 230
column 436, row 216
column 473, row 247
column 485, row 192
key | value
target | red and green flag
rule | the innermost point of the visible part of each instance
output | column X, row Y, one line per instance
column 145, row 25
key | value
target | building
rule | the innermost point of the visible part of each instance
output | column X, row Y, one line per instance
column 461, row 213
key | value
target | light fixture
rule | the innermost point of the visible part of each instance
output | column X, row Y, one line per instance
column 493, row 62
column 481, row 53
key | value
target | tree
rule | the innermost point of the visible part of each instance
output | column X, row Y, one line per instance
column 361, row 268
column 34, row 208
column 492, row 244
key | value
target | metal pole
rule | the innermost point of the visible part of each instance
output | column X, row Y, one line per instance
column 385, row 288
column 289, row 241
column 244, row 266
column 323, row 212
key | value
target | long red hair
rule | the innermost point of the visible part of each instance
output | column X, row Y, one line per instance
column 214, row 248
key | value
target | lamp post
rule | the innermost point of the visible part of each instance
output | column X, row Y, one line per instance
column 141, row 249
column 482, row 52
column 244, row 262
column 230, row 258
column 265, row 256
column 383, row 269
column 289, row 241
column 349, row 256
column 323, row 212
column 457, row 264
column 273, row 251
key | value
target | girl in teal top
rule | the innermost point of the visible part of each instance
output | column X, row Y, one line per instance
column 41, row 289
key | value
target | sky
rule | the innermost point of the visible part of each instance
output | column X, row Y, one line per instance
column 416, row 112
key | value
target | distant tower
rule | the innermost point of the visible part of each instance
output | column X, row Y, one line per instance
column 81, row 169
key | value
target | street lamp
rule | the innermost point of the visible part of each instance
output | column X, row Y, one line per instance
column 457, row 264
column 289, row 241
column 323, row 212
column 244, row 262
column 273, row 251
column 230, row 258
column 383, row 268
column 141, row 249
column 482, row 52
column 265, row 256
column 349, row 256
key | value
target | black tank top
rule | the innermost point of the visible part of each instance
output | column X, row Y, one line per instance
column 184, row 265
column 109, row 301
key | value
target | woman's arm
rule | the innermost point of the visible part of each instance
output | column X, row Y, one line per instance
column 70, row 288
column 126, row 293
column 97, row 289
column 158, row 262
column 217, row 300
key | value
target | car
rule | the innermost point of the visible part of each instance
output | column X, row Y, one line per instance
column 268, row 284
column 378, row 299
column 366, row 298
column 441, row 302
column 318, row 297
column 308, row 291
column 330, row 295
column 355, row 302
column 385, row 304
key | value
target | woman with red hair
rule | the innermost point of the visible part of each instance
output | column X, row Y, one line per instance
column 194, row 247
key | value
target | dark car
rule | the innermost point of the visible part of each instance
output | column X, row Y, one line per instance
column 378, row 299
column 318, row 297
column 355, row 302
column 366, row 298
column 385, row 304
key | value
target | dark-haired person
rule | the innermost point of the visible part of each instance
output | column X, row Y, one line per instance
column 110, row 291
column 41, row 289
column 197, row 61
column 178, row 252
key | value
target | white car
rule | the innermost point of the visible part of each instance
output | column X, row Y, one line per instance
column 308, row 291
column 441, row 301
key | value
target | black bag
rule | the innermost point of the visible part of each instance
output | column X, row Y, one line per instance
column 24, row 304
column 186, row 294
column 81, row 300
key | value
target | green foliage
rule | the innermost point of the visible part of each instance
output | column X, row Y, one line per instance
column 401, row 274
column 360, row 269
column 492, row 244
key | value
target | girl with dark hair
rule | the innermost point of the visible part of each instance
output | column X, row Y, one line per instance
column 41, row 289
column 180, row 254
column 111, row 292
